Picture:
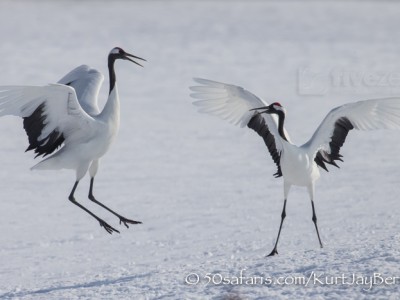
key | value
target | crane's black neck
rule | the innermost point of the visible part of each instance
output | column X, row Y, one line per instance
column 281, row 121
column 111, row 61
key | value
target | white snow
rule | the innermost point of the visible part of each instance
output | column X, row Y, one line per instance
column 203, row 188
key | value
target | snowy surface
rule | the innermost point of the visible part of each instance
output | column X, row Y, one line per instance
column 203, row 188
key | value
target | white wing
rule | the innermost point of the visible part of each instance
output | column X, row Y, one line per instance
column 233, row 103
column 363, row 115
column 86, row 82
column 227, row 101
column 52, row 115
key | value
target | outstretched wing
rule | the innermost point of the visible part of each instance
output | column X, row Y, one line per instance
column 86, row 82
column 52, row 115
column 331, row 134
column 233, row 103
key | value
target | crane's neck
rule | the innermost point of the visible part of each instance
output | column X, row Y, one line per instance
column 111, row 110
column 111, row 73
column 281, row 121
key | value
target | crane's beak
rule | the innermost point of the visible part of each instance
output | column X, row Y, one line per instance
column 127, row 55
column 267, row 109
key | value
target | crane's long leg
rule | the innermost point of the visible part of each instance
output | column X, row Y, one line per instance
column 121, row 218
column 286, row 187
column 106, row 226
column 283, row 215
column 314, row 217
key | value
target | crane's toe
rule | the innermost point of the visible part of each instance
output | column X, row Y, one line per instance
column 126, row 221
column 273, row 252
column 107, row 227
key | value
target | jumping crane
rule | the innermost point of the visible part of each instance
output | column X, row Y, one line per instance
column 66, row 115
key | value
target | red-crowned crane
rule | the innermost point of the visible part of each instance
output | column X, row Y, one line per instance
column 299, row 165
column 66, row 114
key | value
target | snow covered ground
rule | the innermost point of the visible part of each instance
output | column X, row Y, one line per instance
column 203, row 188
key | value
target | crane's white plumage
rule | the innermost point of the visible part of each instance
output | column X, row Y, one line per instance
column 86, row 83
column 297, row 164
column 85, row 137
column 230, row 102
column 227, row 101
column 62, row 110
column 67, row 115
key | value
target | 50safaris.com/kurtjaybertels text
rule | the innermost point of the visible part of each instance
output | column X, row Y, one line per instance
column 316, row 279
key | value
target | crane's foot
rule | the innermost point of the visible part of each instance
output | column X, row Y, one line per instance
column 107, row 227
column 127, row 221
column 273, row 252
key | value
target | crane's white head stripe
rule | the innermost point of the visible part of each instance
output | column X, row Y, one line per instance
column 115, row 50
column 278, row 106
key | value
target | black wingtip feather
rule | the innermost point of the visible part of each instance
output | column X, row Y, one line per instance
column 257, row 123
column 33, row 126
column 341, row 129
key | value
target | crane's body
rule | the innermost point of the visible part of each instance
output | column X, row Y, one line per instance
column 67, row 115
column 87, row 149
column 298, row 165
